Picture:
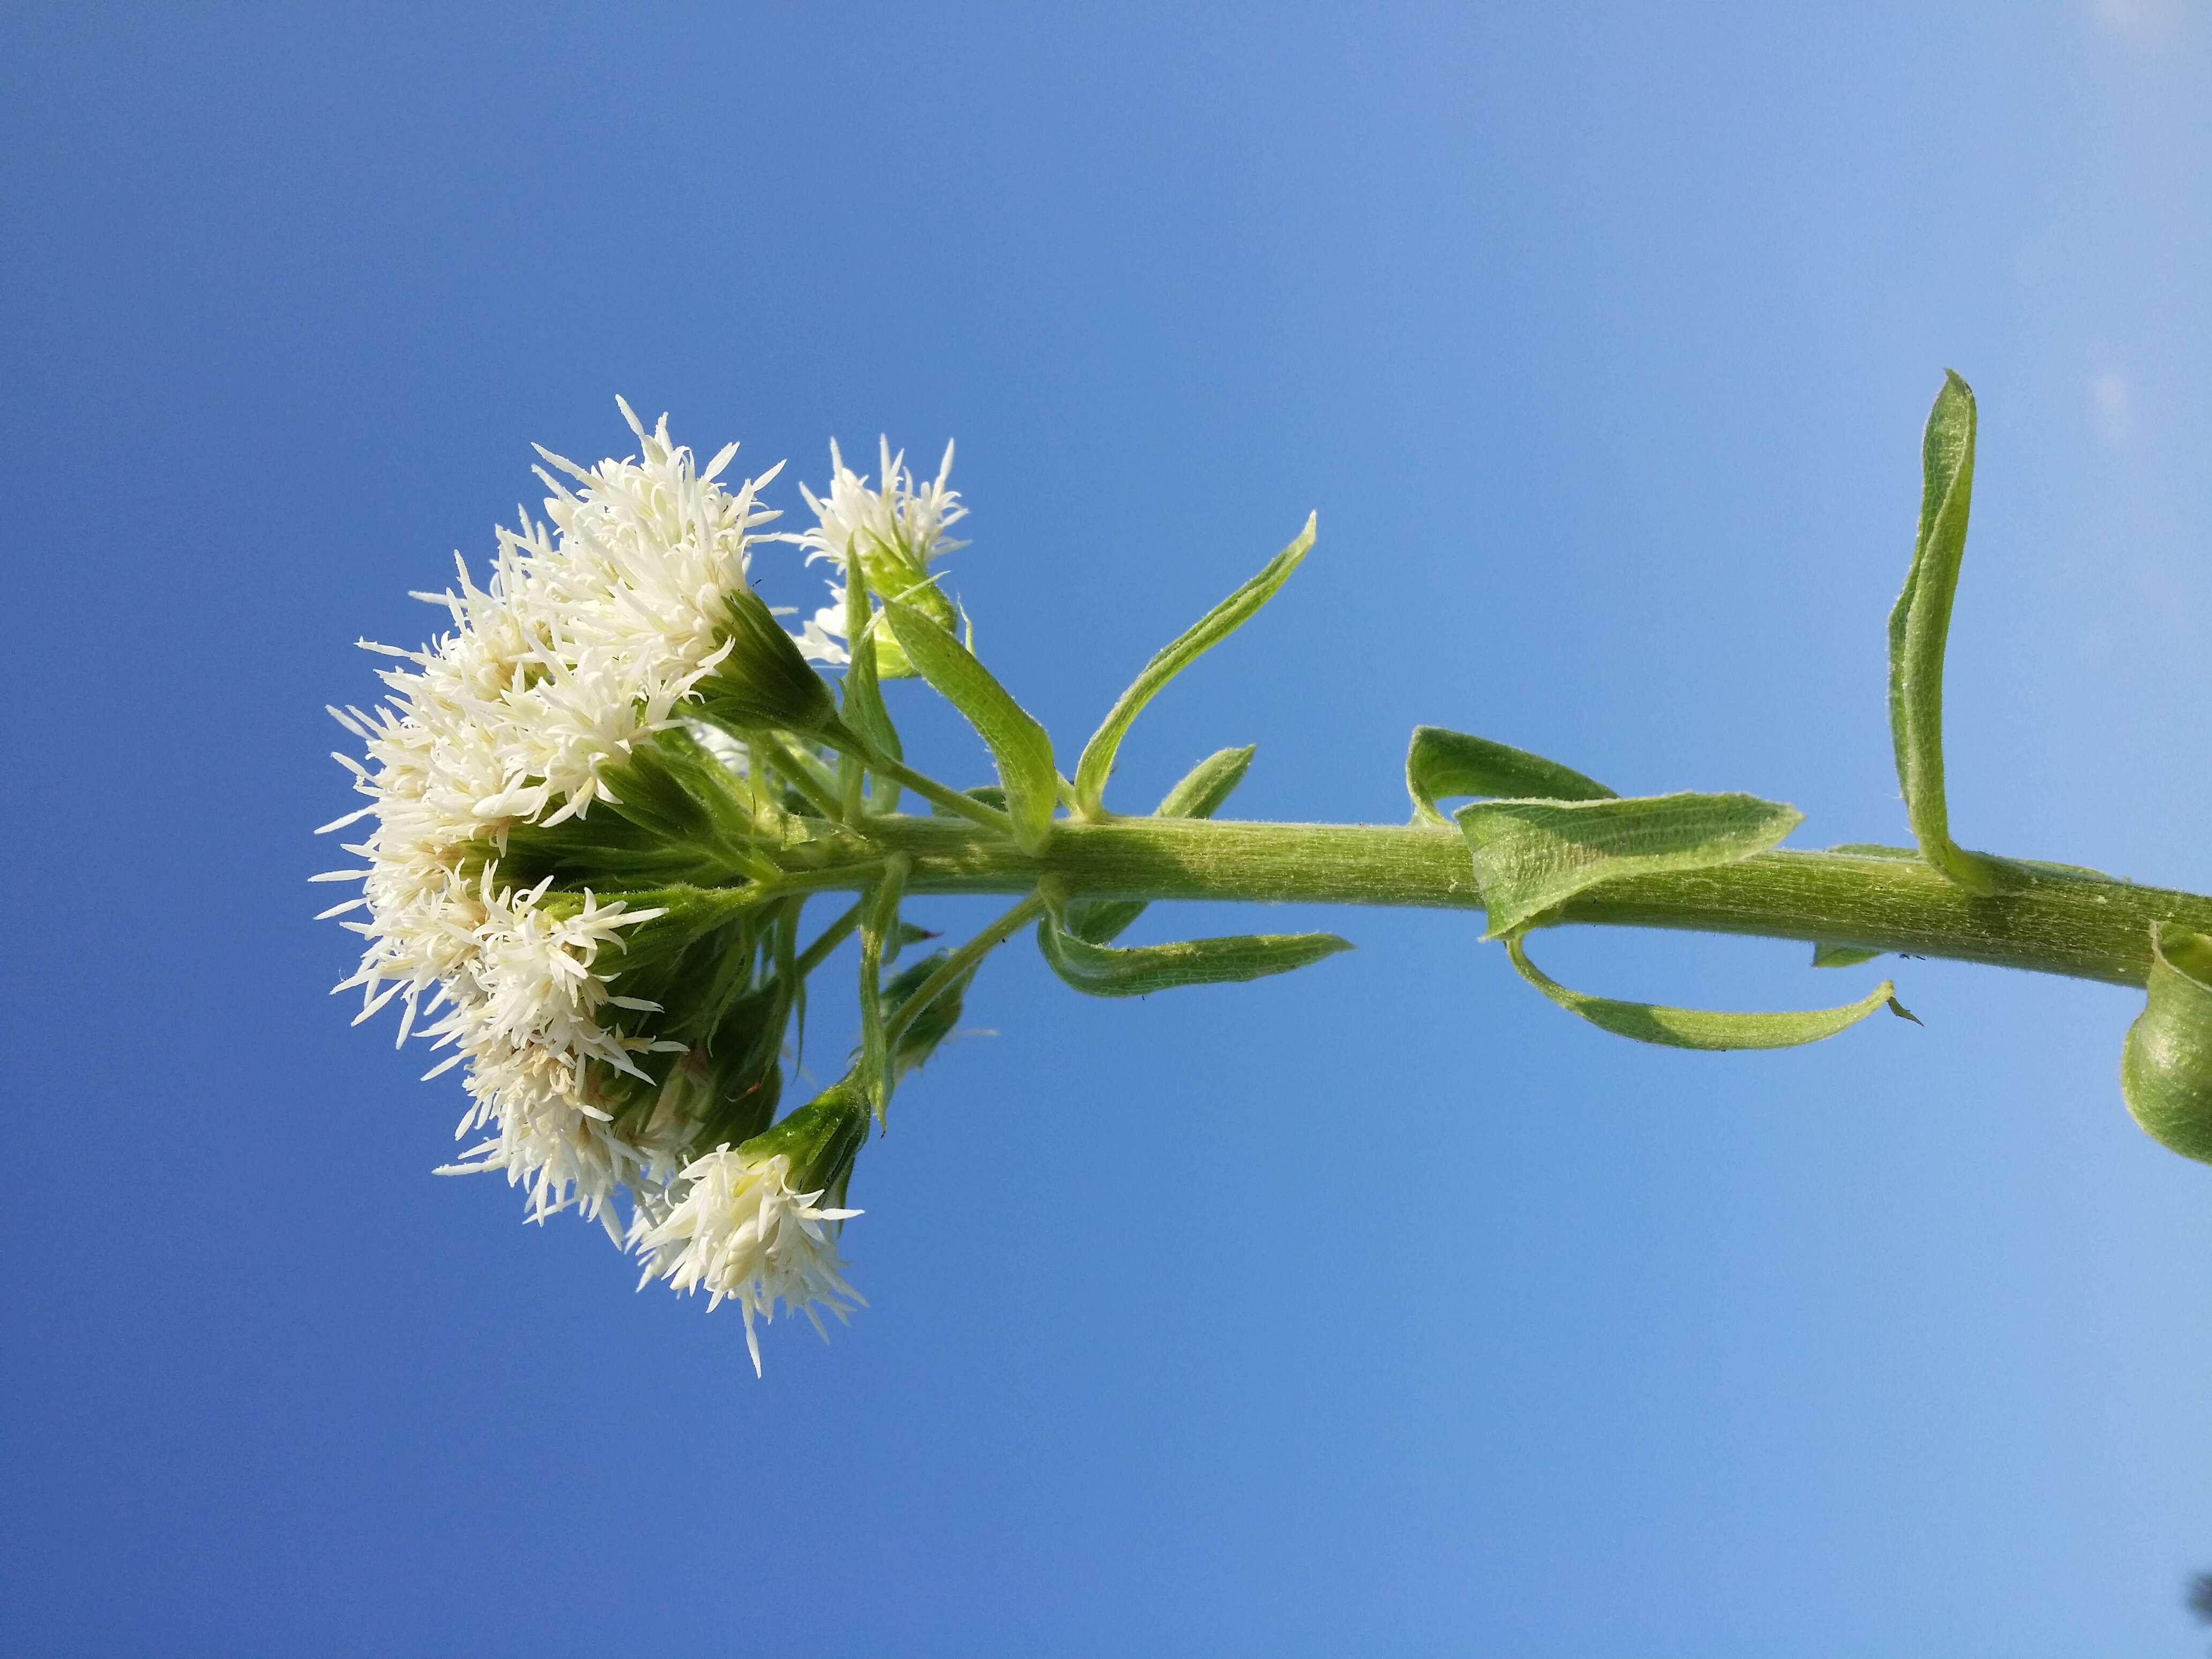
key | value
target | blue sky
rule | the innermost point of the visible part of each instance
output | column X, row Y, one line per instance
column 1383, row 1308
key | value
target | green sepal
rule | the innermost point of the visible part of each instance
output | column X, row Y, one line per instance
column 1840, row 956
column 1209, row 631
column 1019, row 746
column 763, row 681
column 822, row 1139
column 1919, row 629
column 1700, row 1028
column 1440, row 763
column 1532, row 855
column 2165, row 1064
column 1107, row 971
column 1199, row 795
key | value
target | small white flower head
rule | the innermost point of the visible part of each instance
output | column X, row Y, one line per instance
column 758, row 1224
column 583, row 642
column 894, row 519
column 896, row 530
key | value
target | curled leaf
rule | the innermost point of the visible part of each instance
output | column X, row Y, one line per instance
column 1531, row 856
column 1920, row 628
column 1702, row 1028
column 2165, row 1064
column 1440, row 763
column 1209, row 631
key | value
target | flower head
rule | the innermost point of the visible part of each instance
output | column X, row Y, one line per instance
column 751, row 1223
column 585, row 641
column 894, row 530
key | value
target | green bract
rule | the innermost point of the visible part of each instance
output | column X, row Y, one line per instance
column 763, row 681
column 821, row 1139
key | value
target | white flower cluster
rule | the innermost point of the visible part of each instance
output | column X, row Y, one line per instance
column 740, row 1232
column 894, row 521
column 585, row 639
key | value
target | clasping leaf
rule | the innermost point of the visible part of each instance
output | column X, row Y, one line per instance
column 1440, row 763
column 1532, row 855
column 2165, row 1066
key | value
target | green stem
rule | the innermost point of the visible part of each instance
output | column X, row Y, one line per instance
column 829, row 939
column 948, row 972
column 807, row 776
column 876, row 920
column 927, row 787
column 2083, row 925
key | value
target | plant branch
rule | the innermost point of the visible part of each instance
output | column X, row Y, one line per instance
column 2083, row 925
column 927, row 787
column 948, row 972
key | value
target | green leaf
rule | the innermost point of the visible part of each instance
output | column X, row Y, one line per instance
column 1700, row 1028
column 1440, row 763
column 1107, row 971
column 1216, row 625
column 2166, row 1066
column 1920, row 627
column 1840, row 956
column 1017, row 743
column 1531, row 856
column 1199, row 795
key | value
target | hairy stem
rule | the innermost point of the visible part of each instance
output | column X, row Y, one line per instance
column 923, row 785
column 2083, row 925
column 961, row 962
